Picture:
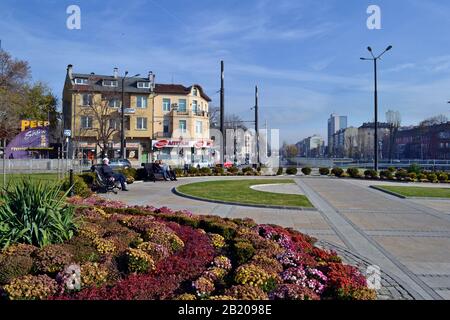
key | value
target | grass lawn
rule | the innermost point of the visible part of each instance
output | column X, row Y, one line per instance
column 46, row 177
column 239, row 191
column 419, row 191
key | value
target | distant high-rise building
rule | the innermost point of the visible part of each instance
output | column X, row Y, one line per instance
column 335, row 123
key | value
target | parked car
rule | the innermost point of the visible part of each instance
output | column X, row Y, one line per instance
column 116, row 164
column 120, row 163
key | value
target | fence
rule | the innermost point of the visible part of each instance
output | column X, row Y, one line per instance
column 43, row 166
column 433, row 164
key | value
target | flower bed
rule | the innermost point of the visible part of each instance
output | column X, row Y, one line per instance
column 129, row 253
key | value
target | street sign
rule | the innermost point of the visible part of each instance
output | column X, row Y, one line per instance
column 67, row 133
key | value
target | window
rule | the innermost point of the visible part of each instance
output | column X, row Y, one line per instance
column 182, row 105
column 110, row 83
column 143, row 85
column 86, row 99
column 86, row 122
column 166, row 126
column 141, row 123
column 194, row 106
column 114, row 124
column 113, row 103
column 166, row 104
column 198, row 127
column 81, row 81
column 141, row 101
column 195, row 92
column 182, row 126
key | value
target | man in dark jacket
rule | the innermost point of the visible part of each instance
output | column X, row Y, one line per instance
column 107, row 172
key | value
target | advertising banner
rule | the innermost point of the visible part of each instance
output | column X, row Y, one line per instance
column 160, row 144
column 32, row 139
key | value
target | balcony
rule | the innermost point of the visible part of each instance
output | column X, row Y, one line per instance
column 190, row 113
column 162, row 135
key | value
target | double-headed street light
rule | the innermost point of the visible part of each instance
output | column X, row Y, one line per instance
column 375, row 59
column 122, row 122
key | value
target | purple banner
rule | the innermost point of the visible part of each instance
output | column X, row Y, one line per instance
column 26, row 141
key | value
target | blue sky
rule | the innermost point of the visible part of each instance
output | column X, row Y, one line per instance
column 303, row 54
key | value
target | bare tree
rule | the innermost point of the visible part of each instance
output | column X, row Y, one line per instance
column 439, row 119
column 106, row 123
column 291, row 151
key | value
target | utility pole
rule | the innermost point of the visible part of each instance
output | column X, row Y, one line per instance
column 256, row 125
column 267, row 138
column 375, row 60
column 222, row 111
column 122, row 120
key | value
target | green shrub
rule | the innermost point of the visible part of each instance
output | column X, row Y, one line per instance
column 129, row 172
column 291, row 171
column 280, row 171
column 432, row 177
column 324, row 171
column 35, row 213
column 443, row 177
column 371, row 174
column 88, row 178
column 306, row 171
column 401, row 174
column 353, row 172
column 422, row 177
column 226, row 230
column 80, row 188
column 386, row 174
column 218, row 170
column 338, row 172
column 82, row 250
column 242, row 251
column 206, row 171
column 14, row 266
column 412, row 176
column 233, row 170
column 414, row 168
column 193, row 170
column 392, row 169
column 178, row 172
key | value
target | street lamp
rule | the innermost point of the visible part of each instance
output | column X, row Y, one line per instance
column 122, row 122
column 375, row 59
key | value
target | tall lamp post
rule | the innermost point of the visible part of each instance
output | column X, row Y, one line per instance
column 122, row 117
column 375, row 59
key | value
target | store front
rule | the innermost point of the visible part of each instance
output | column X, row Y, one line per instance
column 181, row 152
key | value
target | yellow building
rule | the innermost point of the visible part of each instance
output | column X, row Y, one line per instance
column 165, row 121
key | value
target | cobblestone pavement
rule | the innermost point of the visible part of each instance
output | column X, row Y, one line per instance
column 408, row 239
column 390, row 288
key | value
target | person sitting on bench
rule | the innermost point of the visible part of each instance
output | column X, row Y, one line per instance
column 168, row 171
column 107, row 172
column 159, row 169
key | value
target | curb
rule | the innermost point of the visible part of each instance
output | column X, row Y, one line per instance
column 395, row 194
column 181, row 194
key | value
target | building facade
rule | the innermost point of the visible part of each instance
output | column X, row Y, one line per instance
column 424, row 142
column 345, row 143
column 311, row 147
column 164, row 121
column 335, row 123
column 366, row 141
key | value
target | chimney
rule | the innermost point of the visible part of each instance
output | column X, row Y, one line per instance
column 116, row 73
column 70, row 71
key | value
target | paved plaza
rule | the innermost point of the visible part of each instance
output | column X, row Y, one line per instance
column 408, row 239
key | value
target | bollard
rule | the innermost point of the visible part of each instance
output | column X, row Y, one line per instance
column 71, row 192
